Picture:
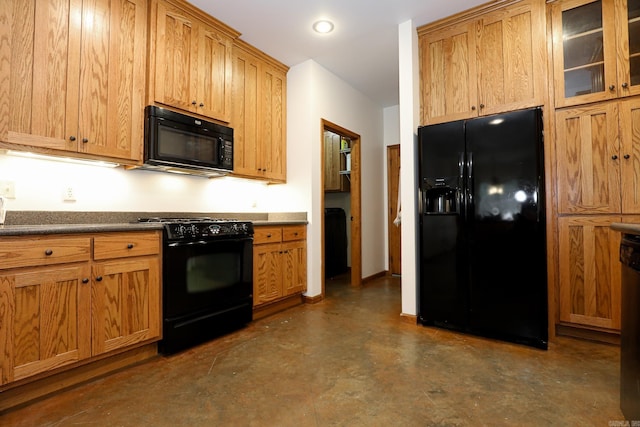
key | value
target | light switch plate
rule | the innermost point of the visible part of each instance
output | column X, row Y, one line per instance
column 8, row 189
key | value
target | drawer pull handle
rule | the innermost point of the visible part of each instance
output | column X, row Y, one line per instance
column 85, row 280
column 130, row 246
column 48, row 252
column 295, row 234
column 269, row 235
column 99, row 279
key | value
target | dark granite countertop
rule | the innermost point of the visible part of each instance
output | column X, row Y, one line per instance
column 42, row 222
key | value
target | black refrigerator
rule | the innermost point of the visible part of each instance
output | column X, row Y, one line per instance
column 483, row 263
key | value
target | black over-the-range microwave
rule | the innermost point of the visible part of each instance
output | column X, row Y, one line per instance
column 177, row 142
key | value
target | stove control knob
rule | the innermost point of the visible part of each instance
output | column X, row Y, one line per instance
column 234, row 228
column 181, row 229
column 193, row 230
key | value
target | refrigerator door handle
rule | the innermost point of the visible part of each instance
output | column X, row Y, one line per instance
column 468, row 188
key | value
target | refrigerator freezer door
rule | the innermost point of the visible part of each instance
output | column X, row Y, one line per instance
column 443, row 279
column 506, row 227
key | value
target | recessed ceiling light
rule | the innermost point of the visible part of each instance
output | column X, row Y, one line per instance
column 323, row 26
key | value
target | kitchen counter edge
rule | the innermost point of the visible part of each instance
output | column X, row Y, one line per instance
column 24, row 230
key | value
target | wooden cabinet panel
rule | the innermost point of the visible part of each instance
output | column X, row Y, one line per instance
column 588, row 159
column 595, row 50
column 125, row 303
column 44, row 318
column 258, row 114
column 279, row 262
column 267, row 273
column 43, row 251
column 487, row 62
column 191, row 63
column 510, row 58
column 295, row 267
column 448, row 74
column 589, row 282
column 75, row 84
column 126, row 244
column 75, row 308
column 630, row 153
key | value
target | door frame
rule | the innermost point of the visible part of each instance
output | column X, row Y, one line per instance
column 355, row 200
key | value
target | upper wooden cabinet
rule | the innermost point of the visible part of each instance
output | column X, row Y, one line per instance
column 484, row 62
column 73, row 76
column 596, row 50
column 190, row 60
column 259, row 114
column 598, row 168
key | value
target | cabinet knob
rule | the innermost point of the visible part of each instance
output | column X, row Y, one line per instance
column 614, row 157
column 99, row 279
column 481, row 106
column 193, row 102
column 295, row 234
column 48, row 252
column 130, row 246
column 72, row 138
column 85, row 280
column 201, row 105
column 269, row 235
column 612, row 88
column 85, row 140
column 473, row 108
column 625, row 85
column 626, row 156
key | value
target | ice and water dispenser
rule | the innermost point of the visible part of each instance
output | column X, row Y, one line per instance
column 440, row 195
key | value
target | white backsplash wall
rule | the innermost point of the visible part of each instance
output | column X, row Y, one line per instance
column 41, row 184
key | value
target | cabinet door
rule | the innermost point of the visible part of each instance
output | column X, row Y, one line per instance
column 175, row 54
column 267, row 273
column 273, row 109
column 125, row 303
column 45, row 320
column 630, row 152
column 245, row 115
column 589, row 282
column 332, row 178
column 588, row 159
column 448, row 76
column 584, row 51
column 40, row 72
column 628, row 38
column 214, row 67
column 112, row 78
column 294, row 267
column 511, row 74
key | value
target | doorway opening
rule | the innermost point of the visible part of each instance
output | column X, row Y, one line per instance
column 341, row 243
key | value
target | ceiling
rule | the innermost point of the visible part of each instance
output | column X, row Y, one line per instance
column 363, row 48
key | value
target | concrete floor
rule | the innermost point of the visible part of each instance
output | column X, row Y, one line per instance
column 349, row 361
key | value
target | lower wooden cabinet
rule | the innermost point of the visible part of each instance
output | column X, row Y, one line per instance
column 279, row 263
column 589, row 281
column 66, row 299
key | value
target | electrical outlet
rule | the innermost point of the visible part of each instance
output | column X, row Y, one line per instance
column 8, row 189
column 69, row 194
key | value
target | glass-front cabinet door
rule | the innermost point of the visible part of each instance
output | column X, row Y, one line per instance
column 596, row 50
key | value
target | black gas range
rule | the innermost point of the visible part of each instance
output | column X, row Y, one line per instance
column 207, row 279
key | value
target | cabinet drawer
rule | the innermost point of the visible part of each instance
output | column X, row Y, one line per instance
column 294, row 232
column 29, row 252
column 119, row 245
column 267, row 235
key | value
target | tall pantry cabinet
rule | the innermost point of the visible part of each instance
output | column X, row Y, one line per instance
column 596, row 66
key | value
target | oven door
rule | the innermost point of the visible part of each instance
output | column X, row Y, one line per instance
column 206, row 276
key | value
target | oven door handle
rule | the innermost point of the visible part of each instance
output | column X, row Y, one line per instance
column 206, row 242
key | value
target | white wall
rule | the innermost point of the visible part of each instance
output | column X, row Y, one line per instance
column 39, row 186
column 409, row 111
column 315, row 94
